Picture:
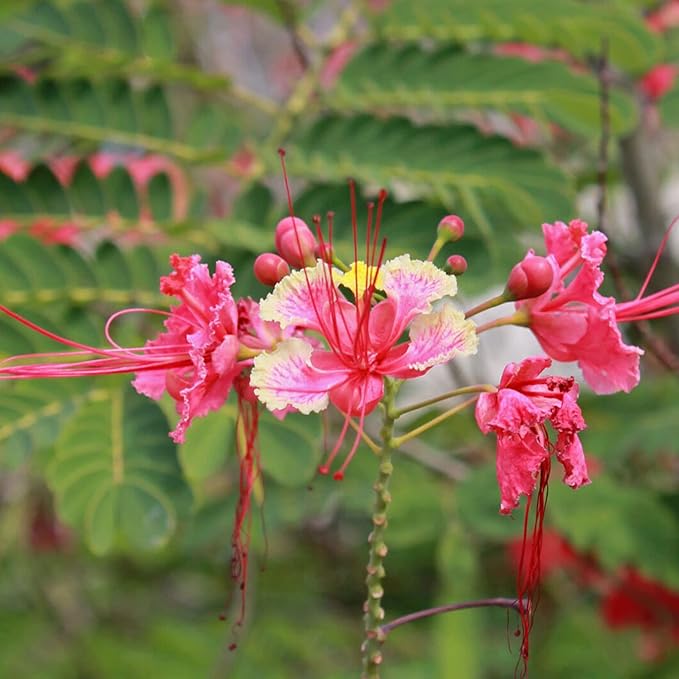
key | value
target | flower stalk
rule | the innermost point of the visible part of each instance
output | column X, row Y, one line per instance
column 374, row 613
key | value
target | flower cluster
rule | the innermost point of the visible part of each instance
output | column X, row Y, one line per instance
column 348, row 334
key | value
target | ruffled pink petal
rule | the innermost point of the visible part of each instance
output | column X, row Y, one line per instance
column 528, row 370
column 210, row 384
column 415, row 285
column 152, row 383
column 607, row 363
column 287, row 377
column 435, row 338
column 566, row 241
column 570, row 454
column 517, row 412
column 560, row 331
column 517, row 465
column 301, row 298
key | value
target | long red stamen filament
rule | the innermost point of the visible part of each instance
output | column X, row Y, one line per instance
column 663, row 245
column 248, row 453
column 123, row 312
column 528, row 576
column 339, row 474
column 325, row 467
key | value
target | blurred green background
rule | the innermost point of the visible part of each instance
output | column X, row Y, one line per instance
column 133, row 129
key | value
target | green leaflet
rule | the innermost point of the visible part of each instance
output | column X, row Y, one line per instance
column 91, row 112
column 291, row 448
column 575, row 26
column 453, row 164
column 434, row 84
column 116, row 476
column 100, row 38
column 32, row 414
column 39, row 275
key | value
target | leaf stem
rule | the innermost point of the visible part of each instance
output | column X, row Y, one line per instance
column 400, row 440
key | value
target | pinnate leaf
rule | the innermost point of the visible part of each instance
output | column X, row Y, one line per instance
column 116, row 476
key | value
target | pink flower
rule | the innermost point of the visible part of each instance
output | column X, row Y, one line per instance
column 361, row 335
column 517, row 413
column 208, row 341
column 572, row 320
column 204, row 328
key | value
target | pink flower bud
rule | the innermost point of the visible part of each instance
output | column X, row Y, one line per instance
column 530, row 277
column 270, row 268
column 295, row 242
column 456, row 264
column 450, row 228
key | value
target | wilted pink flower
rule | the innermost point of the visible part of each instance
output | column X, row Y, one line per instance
column 361, row 334
column 204, row 327
column 572, row 320
column 518, row 413
column 204, row 347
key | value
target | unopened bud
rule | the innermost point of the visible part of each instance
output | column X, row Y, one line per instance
column 270, row 268
column 450, row 228
column 455, row 264
column 295, row 242
column 530, row 278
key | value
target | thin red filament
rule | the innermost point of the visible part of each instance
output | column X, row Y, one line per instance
column 528, row 576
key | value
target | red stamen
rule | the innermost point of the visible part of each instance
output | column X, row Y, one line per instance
column 248, row 453
column 528, row 577
column 651, row 271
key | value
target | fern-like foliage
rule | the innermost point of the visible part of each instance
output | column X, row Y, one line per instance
column 97, row 39
column 437, row 83
column 577, row 27
column 89, row 114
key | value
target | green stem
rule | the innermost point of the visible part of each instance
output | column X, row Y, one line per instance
column 518, row 318
column 505, row 296
column 398, row 441
column 472, row 389
column 374, row 613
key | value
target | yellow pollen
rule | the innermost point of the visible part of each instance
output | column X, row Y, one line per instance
column 359, row 277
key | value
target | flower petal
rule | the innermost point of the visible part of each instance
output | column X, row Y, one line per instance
column 416, row 284
column 434, row 338
column 569, row 452
column 517, row 464
column 301, row 297
column 286, row 377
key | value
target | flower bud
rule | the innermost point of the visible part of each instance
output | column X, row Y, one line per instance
column 450, row 229
column 295, row 242
column 455, row 264
column 270, row 268
column 531, row 277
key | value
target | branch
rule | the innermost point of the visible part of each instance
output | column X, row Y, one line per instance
column 500, row 602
